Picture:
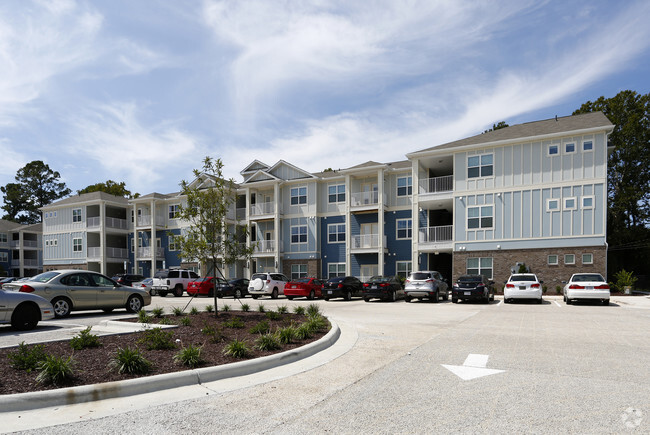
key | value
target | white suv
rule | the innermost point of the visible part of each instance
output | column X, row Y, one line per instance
column 172, row 281
column 267, row 284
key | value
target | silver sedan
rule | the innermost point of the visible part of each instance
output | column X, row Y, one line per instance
column 23, row 310
column 74, row 290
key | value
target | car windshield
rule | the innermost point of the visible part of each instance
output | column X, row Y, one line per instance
column 523, row 278
column 261, row 276
column 380, row 278
column 45, row 276
column 420, row 276
column 336, row 279
column 161, row 274
column 588, row 278
column 470, row 278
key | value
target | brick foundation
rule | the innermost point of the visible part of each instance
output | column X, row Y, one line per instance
column 313, row 267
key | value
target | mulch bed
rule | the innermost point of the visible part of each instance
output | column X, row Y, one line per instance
column 91, row 365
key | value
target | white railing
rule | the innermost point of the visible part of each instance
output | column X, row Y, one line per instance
column 95, row 222
column 437, row 184
column 147, row 251
column 262, row 208
column 14, row 243
column 145, row 220
column 96, row 252
column 265, row 246
column 30, row 243
column 436, row 234
column 365, row 241
column 27, row 262
column 364, row 198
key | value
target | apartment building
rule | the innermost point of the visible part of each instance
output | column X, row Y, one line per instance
column 21, row 249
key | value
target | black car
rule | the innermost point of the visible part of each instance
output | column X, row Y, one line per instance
column 127, row 279
column 341, row 287
column 237, row 288
column 386, row 288
column 473, row 288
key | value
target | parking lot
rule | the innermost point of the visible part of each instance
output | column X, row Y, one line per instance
column 407, row 368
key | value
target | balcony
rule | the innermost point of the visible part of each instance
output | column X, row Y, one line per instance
column 367, row 242
column 95, row 252
column 26, row 244
column 366, row 200
column 27, row 262
column 262, row 209
column 265, row 246
column 95, row 223
column 145, row 221
column 436, row 238
column 147, row 251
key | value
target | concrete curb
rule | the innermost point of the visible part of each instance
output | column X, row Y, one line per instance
column 132, row 387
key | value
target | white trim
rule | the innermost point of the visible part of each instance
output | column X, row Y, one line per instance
column 548, row 205
column 397, row 229
column 557, row 260
column 298, row 196
column 587, row 207
column 566, row 145
column 565, row 207
column 590, row 261
column 299, row 234
column 480, row 165
column 569, row 262
column 582, row 146
column 336, row 185
column 337, row 232
column 554, row 145
column 408, row 185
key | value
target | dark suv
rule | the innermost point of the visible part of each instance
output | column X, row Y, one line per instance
column 127, row 278
column 473, row 288
column 342, row 287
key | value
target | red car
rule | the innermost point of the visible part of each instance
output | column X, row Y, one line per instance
column 204, row 286
column 309, row 288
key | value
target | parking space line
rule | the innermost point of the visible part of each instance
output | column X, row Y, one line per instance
column 558, row 304
column 500, row 303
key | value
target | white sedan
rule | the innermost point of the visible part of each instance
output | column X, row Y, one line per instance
column 523, row 286
column 586, row 286
column 23, row 310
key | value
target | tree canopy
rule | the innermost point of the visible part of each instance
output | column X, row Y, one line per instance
column 111, row 187
column 497, row 126
column 36, row 186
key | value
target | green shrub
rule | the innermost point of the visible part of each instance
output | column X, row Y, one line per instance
column 261, row 308
column 208, row 329
column 186, row 321
column 245, row 308
column 313, row 310
column 299, row 310
column 235, row 323
column 558, row 289
column 157, row 339
column 273, row 315
column 624, row 279
column 287, row 334
column 261, row 328
column 130, row 361
column 316, row 323
column 304, row 331
column 85, row 340
column 194, row 311
column 143, row 317
column 282, row 309
column 209, row 308
column 237, row 349
column 27, row 358
column 165, row 321
column 178, row 311
column 157, row 312
column 55, row 370
column 544, row 289
column 268, row 341
column 225, row 308
column 190, row 356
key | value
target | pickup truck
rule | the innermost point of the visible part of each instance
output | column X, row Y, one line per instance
column 172, row 281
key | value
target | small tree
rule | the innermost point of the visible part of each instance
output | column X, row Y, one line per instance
column 207, row 237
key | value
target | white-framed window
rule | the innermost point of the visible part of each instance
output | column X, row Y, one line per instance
column 587, row 202
column 54, row 242
column 132, row 215
column 76, row 215
column 4, row 257
column 404, row 186
column 552, row 204
column 480, row 166
column 335, row 269
column 569, row 147
column 587, row 258
column 404, row 229
column 552, row 260
column 570, row 203
column 336, row 193
column 3, row 238
column 298, row 195
column 77, row 244
column 569, row 259
column 479, row 217
column 298, row 271
column 172, row 244
column 132, row 246
column 480, row 266
column 47, row 243
column 588, row 145
column 336, row 233
column 553, row 150
column 403, row 268
column 299, row 234
column 174, row 210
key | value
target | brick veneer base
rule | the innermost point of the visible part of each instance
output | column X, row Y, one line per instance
column 313, row 267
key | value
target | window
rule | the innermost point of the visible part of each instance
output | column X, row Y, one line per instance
column 403, row 268
column 336, row 193
column 336, row 233
column 76, row 215
column 569, row 203
column 3, row 238
column 553, row 150
column 569, row 259
column 299, row 234
column 587, row 145
column 480, row 266
column 132, row 246
column 570, row 147
column 404, row 186
column 587, row 202
column 587, row 259
column 335, row 269
column 47, row 243
column 552, row 205
column 298, row 271
column 552, row 260
column 132, row 216
column 480, row 166
column 76, row 245
column 4, row 257
column 174, row 210
column 173, row 245
column 54, row 242
column 404, row 228
column 479, row 217
column 298, row 195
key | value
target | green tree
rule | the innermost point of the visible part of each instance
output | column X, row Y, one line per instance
column 36, row 186
column 498, row 126
column 111, row 187
column 208, row 237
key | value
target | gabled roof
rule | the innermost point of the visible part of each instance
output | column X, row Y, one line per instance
column 261, row 176
column 529, row 131
column 254, row 166
column 6, row 225
column 274, row 170
column 88, row 197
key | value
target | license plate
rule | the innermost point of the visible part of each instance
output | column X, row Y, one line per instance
column 522, row 287
column 374, row 287
column 589, row 288
column 329, row 292
column 468, row 293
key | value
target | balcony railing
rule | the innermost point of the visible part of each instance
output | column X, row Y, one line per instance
column 364, row 198
column 265, row 246
column 26, row 243
column 366, row 241
column 240, row 214
column 263, row 208
column 96, row 252
column 436, row 234
column 148, row 250
column 95, row 221
column 145, row 220
column 437, row 184
column 27, row 262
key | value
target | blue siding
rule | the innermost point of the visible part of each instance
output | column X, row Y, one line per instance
column 398, row 250
column 331, row 252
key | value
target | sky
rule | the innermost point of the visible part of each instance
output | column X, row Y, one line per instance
column 141, row 91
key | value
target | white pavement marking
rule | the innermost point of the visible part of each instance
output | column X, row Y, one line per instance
column 558, row 304
column 500, row 303
column 476, row 360
column 473, row 367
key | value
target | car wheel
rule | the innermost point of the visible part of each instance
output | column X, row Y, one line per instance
column 564, row 298
column 393, row 296
column 407, row 298
column 454, row 300
column 107, row 310
column 290, row 298
column 539, row 301
column 255, row 296
column 311, row 296
column 445, row 297
column 486, row 299
column 162, row 294
column 238, row 294
column 434, row 299
column 348, row 296
column 568, row 301
column 274, row 295
column 178, row 291
column 152, row 292
column 62, row 307
column 506, row 301
column 605, row 302
column 492, row 297
column 25, row 317
column 366, row 299
column 134, row 304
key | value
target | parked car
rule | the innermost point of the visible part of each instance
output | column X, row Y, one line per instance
column 426, row 285
column 267, row 284
column 127, row 278
column 24, row 310
column 75, row 290
column 523, row 286
column 342, row 287
column 204, row 286
column 473, row 288
column 4, row 281
column 145, row 285
column 386, row 288
column 310, row 288
column 591, row 286
column 173, row 281
column 237, row 288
